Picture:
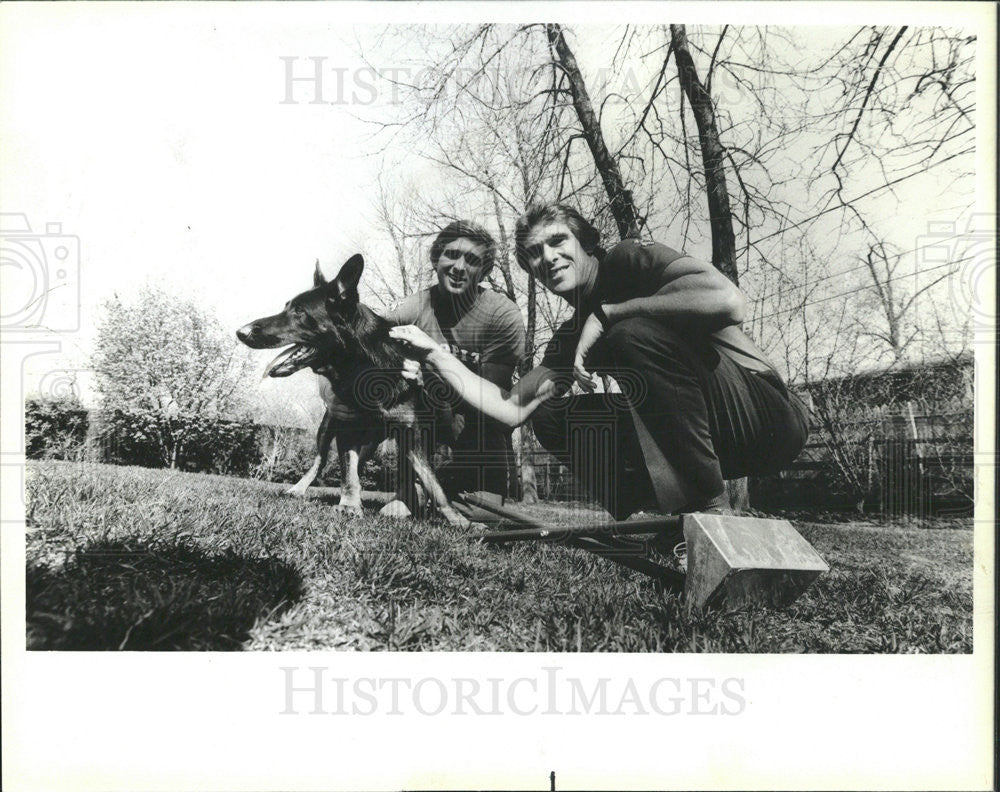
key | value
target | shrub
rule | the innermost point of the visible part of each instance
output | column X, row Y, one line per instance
column 170, row 377
column 129, row 437
column 284, row 454
column 54, row 428
column 224, row 447
column 136, row 437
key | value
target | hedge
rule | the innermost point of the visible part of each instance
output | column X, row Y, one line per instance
column 63, row 429
column 54, row 428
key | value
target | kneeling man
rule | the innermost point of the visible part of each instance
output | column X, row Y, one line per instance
column 699, row 401
column 479, row 328
column 483, row 330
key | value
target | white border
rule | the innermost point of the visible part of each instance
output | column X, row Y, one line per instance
column 210, row 721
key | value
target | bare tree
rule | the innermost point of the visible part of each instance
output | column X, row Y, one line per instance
column 893, row 303
column 815, row 146
column 798, row 141
column 619, row 198
column 712, row 153
column 395, row 214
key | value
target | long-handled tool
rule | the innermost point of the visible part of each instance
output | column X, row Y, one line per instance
column 608, row 540
column 666, row 527
column 732, row 561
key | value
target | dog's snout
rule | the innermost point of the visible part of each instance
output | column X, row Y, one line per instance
column 246, row 332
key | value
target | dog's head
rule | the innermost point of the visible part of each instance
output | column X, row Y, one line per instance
column 318, row 324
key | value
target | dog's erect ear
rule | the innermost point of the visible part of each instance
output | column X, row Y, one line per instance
column 346, row 282
column 318, row 279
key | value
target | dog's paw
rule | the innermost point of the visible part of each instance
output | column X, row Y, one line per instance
column 455, row 520
column 396, row 509
column 295, row 492
column 348, row 509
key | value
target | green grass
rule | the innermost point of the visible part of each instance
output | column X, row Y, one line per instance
column 131, row 558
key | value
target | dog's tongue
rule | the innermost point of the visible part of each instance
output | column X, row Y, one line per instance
column 281, row 358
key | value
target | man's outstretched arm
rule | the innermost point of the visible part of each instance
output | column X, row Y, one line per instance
column 511, row 407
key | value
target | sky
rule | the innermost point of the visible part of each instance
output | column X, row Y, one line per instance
column 160, row 138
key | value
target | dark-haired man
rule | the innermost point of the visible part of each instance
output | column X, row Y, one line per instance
column 485, row 331
column 699, row 400
column 479, row 327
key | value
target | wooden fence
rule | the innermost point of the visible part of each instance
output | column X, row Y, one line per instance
column 917, row 464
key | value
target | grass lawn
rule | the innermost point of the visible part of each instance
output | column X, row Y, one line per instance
column 138, row 559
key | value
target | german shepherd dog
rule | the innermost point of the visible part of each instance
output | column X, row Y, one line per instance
column 362, row 368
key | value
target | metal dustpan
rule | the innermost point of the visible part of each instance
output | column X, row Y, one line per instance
column 734, row 562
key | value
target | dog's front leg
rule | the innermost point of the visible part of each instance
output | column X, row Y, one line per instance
column 426, row 475
column 354, row 450
column 324, row 436
column 408, row 496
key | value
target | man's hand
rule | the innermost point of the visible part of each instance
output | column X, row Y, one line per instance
column 592, row 331
column 546, row 390
column 416, row 339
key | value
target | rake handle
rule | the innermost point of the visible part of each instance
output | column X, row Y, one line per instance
column 668, row 526
column 600, row 539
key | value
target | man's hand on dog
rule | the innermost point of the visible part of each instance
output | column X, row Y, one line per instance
column 417, row 339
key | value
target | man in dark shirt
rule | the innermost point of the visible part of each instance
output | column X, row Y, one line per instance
column 698, row 399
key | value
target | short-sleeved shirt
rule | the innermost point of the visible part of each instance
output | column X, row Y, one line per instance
column 490, row 331
column 632, row 269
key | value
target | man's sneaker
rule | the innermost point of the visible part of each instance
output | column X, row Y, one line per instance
column 680, row 556
column 717, row 505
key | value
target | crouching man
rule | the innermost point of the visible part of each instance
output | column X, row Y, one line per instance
column 481, row 329
column 698, row 400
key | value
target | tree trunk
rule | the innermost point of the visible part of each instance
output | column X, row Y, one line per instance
column 738, row 493
column 503, row 254
column 529, row 484
column 712, row 154
column 622, row 206
column 528, row 361
column 719, row 213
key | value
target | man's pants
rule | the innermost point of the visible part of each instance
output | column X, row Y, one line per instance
column 478, row 452
column 703, row 418
column 481, row 457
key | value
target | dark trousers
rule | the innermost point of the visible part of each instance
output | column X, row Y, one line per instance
column 481, row 456
column 469, row 452
column 707, row 417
